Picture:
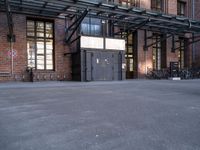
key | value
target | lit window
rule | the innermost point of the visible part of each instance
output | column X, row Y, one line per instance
column 40, row 44
column 157, row 52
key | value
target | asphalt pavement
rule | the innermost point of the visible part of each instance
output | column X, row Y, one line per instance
column 120, row 115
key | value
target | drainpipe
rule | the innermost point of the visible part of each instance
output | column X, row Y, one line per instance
column 193, row 45
column 10, row 35
column 12, row 62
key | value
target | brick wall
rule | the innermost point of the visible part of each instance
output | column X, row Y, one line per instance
column 62, row 63
column 145, row 57
column 197, row 45
column 145, row 4
column 172, row 7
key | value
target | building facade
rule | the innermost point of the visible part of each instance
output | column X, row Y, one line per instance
column 39, row 44
column 196, row 15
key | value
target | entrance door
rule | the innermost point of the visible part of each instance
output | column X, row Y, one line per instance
column 103, row 66
column 88, row 66
column 108, row 66
column 130, row 58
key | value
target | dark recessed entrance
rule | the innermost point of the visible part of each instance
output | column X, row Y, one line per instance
column 131, row 55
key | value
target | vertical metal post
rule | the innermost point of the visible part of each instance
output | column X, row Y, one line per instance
column 193, row 45
column 173, row 44
column 12, row 61
column 145, row 40
column 11, row 37
column 145, row 49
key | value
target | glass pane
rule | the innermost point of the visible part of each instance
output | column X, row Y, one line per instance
column 50, row 67
column 130, row 39
column 31, row 53
column 49, row 44
column 130, row 64
column 85, row 29
column 40, row 62
column 30, row 28
column 40, row 29
column 49, row 54
column 49, row 57
column 95, row 29
column 130, row 56
column 49, row 30
column 40, row 47
column 159, row 58
column 91, row 26
column 130, row 49
column 49, row 61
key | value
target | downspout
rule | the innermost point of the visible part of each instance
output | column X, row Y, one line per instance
column 11, row 35
column 193, row 45
column 12, row 61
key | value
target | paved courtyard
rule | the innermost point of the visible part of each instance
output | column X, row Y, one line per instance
column 128, row 115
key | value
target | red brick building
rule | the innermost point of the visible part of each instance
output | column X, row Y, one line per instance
column 196, row 16
column 39, row 37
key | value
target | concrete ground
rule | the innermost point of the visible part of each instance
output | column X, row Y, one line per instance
column 128, row 115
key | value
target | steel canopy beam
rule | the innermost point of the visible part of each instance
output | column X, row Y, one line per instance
column 192, row 42
column 11, row 36
column 161, row 40
column 74, row 26
column 109, row 11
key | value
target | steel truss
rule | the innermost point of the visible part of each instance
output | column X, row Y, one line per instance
column 10, row 36
column 74, row 26
column 132, row 18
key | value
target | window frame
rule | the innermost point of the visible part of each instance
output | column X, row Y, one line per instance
column 157, row 52
column 181, row 53
column 156, row 2
column 35, row 38
column 90, row 24
column 129, row 3
column 180, row 5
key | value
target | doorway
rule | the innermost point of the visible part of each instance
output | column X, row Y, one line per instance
column 131, row 55
column 103, row 65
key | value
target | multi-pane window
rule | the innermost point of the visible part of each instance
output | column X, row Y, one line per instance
column 157, row 5
column 40, row 44
column 129, row 3
column 181, row 8
column 91, row 26
column 157, row 52
column 130, row 54
column 181, row 53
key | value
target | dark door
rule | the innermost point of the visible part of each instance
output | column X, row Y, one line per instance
column 97, row 71
column 130, row 58
column 89, row 66
column 103, row 66
column 107, row 65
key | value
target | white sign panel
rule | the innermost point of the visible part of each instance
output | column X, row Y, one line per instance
column 115, row 44
column 92, row 42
